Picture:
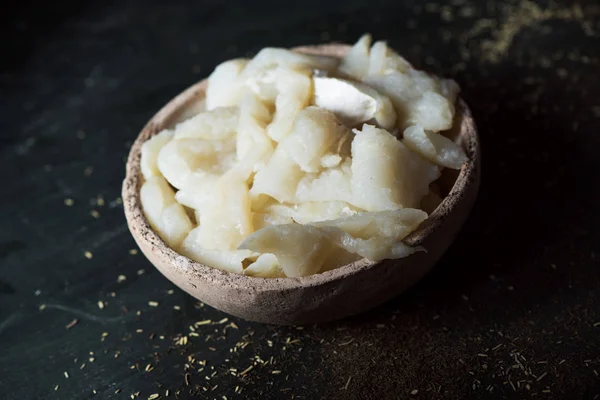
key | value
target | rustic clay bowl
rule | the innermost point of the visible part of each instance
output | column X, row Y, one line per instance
column 335, row 294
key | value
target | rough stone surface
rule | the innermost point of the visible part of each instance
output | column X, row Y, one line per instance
column 512, row 310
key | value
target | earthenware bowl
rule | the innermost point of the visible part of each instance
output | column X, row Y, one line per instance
column 335, row 294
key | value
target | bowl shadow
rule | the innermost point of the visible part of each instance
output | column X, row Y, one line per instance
column 530, row 210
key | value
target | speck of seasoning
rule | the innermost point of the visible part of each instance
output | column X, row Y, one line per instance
column 100, row 304
column 94, row 391
column 133, row 252
column 276, row 372
column 182, row 341
column 91, row 359
column 597, row 324
column 149, row 368
column 95, row 214
column 72, row 323
column 223, row 321
column 244, row 372
column 176, row 308
column 153, row 396
column 170, row 291
column 139, row 330
column 347, row 383
column 121, row 278
column 167, row 393
column 414, row 392
column 42, row 307
column 204, row 322
column 119, row 200
column 105, row 334
column 82, row 366
column 153, row 303
column 447, row 14
column 56, row 387
column 562, row 73
column 100, row 201
column 541, row 377
column 66, row 374
column 69, row 202
column 117, row 391
column 141, row 271
column 466, row 12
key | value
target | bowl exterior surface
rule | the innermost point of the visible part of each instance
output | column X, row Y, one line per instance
column 335, row 294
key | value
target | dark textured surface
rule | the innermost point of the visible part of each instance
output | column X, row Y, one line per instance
column 512, row 311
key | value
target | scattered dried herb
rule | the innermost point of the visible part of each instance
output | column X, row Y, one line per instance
column 72, row 323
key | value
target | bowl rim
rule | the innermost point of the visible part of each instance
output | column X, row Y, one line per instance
column 137, row 221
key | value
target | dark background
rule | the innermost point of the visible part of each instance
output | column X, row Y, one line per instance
column 512, row 310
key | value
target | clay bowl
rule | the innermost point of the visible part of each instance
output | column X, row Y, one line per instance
column 335, row 294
